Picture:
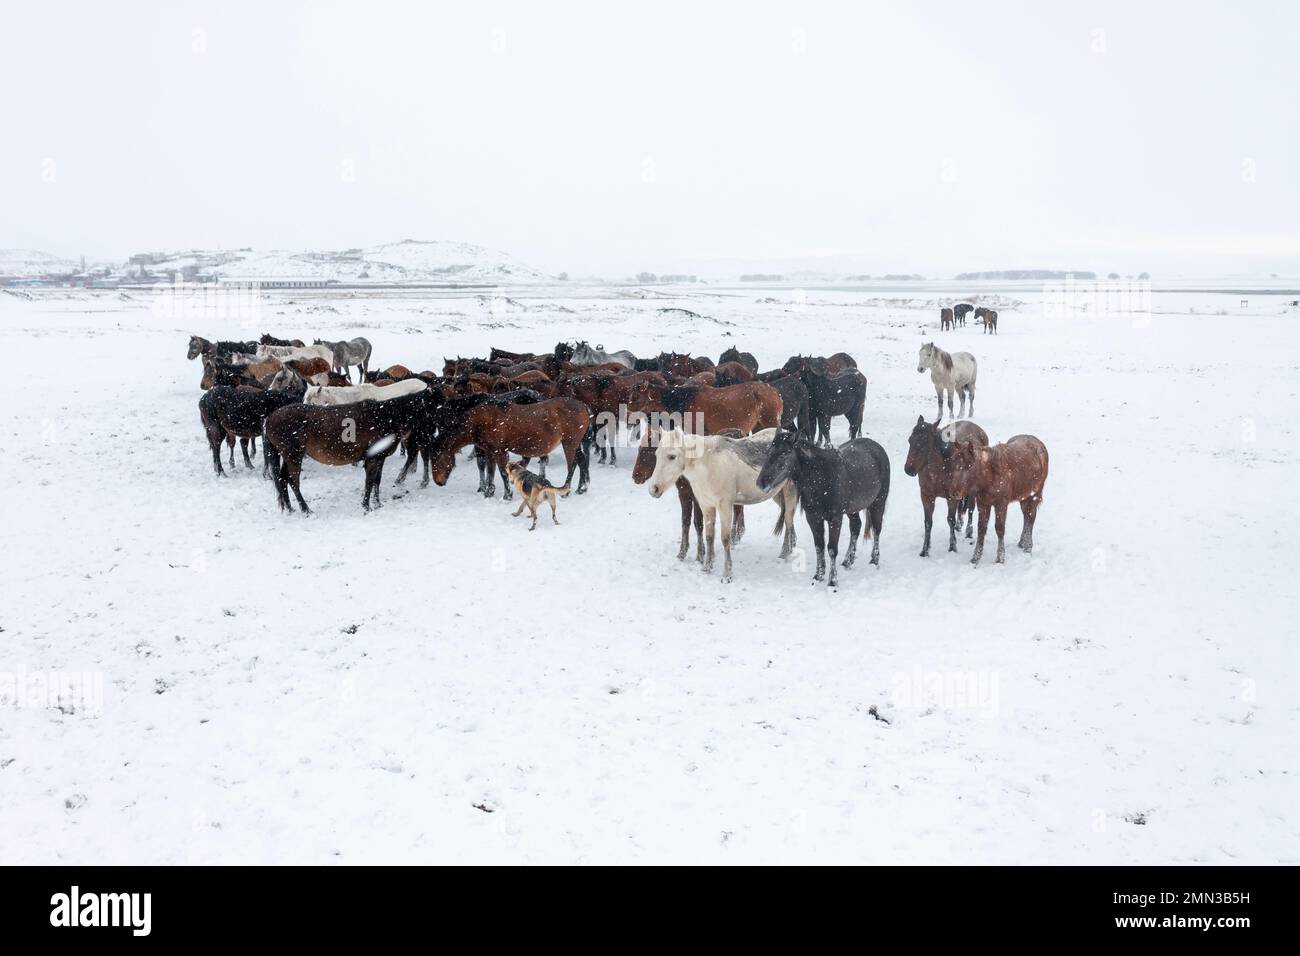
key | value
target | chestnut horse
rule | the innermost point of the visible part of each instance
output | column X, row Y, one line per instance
column 732, row 373
column 529, row 430
column 945, row 320
column 746, row 359
column 606, row 395
column 1013, row 471
column 750, row 406
column 341, row 435
column 929, row 458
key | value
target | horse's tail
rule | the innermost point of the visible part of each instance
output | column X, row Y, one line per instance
column 780, row 521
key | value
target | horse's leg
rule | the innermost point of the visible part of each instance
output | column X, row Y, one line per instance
column 243, row 447
column 294, row 465
column 542, row 463
column 214, row 442
column 497, row 462
column 737, row 524
column 1029, row 509
column 855, row 526
column 927, row 507
column 710, row 522
column 970, row 390
column 819, row 542
column 876, row 523
column 374, row 471
column 950, row 414
column 938, row 394
column 984, row 527
column 613, row 447
column 230, row 440
column 971, row 508
column 727, row 517
column 687, row 503
column 833, row 546
column 1000, row 525
column 280, row 475
column 953, row 506
column 697, row 514
column 584, row 469
column 791, row 505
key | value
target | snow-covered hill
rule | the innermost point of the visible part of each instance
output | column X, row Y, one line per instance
column 32, row 262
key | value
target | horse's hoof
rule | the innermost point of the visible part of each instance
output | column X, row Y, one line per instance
column 924, row 554
column 582, row 491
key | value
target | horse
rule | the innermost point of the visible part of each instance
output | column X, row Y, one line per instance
column 346, row 354
column 608, row 397
column 1013, row 471
column 750, row 406
column 990, row 318
column 314, row 370
column 228, row 413
column 530, row 430
column 218, row 350
column 731, row 373
column 537, row 381
column 960, row 311
column 268, row 339
column 949, row 372
column 347, row 394
column 829, row 395
column 341, row 435
column 498, row 354
column 831, row 365
column 746, row 359
column 216, row 372
column 929, row 459
column 723, row 474
column 285, row 352
column 676, row 364
column 945, row 320
column 796, row 411
column 584, row 354
column 832, row 482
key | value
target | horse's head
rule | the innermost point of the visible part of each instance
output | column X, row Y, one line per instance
column 670, row 460
column 196, row 347
column 783, row 459
column 925, row 358
column 645, row 453
column 442, row 456
column 923, row 438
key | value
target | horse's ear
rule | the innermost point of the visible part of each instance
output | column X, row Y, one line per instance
column 920, row 420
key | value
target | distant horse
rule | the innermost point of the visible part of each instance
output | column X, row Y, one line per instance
column 731, row 373
column 723, row 473
column 346, row 354
column 746, row 359
column 990, row 318
column 219, row 351
column 824, row 365
column 347, row 394
column 268, row 339
column 229, row 413
column 829, row 395
column 929, row 458
column 584, row 354
column 341, row 435
column 530, row 430
column 833, row 482
column 950, row 373
column 960, row 311
column 1013, row 471
column 945, row 320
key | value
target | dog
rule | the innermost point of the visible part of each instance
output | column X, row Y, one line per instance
column 532, row 489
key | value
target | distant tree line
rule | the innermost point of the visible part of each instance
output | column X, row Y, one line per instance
column 649, row 278
column 762, row 277
column 1027, row 274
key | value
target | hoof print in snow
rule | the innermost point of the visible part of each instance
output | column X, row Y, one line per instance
column 876, row 714
column 75, row 802
column 1138, row 819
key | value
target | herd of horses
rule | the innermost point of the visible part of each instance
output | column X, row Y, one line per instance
column 723, row 434
column 955, row 317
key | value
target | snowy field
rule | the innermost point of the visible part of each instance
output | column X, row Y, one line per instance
column 432, row 683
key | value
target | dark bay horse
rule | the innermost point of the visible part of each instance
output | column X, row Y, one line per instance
column 607, row 396
column 930, row 459
column 824, row 365
column 448, row 409
column 945, row 320
column 852, row 479
column 990, row 318
column 731, row 373
column 1013, row 471
column 750, row 406
column 960, row 311
column 529, row 430
column 844, row 393
column 746, row 359
column 221, row 351
column 228, row 412
column 796, row 412
column 341, row 435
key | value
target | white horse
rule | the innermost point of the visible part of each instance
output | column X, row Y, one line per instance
column 346, row 354
column 347, row 394
column 287, row 353
column 723, row 473
column 584, row 354
column 949, row 372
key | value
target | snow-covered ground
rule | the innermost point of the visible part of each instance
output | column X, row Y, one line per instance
column 431, row 682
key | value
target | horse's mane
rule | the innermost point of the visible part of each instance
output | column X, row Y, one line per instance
column 678, row 398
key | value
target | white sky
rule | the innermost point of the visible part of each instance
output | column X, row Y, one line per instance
column 605, row 137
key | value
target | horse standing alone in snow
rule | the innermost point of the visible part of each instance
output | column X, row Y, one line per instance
column 950, row 372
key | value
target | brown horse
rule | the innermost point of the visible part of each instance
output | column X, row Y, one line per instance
column 828, row 365
column 1013, row 471
column 929, row 458
column 608, row 396
column 732, row 373
column 676, row 364
column 990, row 319
column 309, row 367
column 945, row 320
column 341, row 435
column 750, row 406
column 535, row 380
column 528, row 430
column 734, row 354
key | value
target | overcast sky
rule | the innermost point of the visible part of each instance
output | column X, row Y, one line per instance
column 610, row 138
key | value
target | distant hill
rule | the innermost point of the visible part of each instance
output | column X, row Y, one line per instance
column 410, row 261
column 31, row 263
column 1026, row 274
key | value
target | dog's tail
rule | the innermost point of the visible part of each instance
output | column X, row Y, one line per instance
column 562, row 492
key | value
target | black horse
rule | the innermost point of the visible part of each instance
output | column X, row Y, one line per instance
column 960, row 311
column 451, row 409
column 228, row 413
column 734, row 354
column 830, row 395
column 796, row 412
column 832, row 482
